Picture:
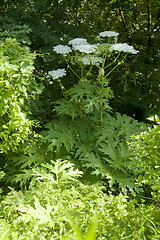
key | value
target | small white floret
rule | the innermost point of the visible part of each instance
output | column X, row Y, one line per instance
column 57, row 73
column 78, row 41
column 124, row 47
column 93, row 60
column 86, row 48
column 85, row 61
column 96, row 60
column 108, row 34
column 62, row 49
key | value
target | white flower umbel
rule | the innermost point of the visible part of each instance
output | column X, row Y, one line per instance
column 96, row 60
column 78, row 41
column 62, row 49
column 124, row 47
column 108, row 34
column 57, row 73
column 86, row 48
column 85, row 61
column 93, row 60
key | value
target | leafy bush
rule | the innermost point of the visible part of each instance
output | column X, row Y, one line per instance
column 16, row 84
column 146, row 149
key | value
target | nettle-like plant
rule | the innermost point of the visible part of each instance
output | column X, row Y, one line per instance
column 86, row 129
column 16, row 84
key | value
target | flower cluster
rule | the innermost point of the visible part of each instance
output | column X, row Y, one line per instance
column 78, row 41
column 57, row 73
column 124, row 47
column 93, row 60
column 62, row 49
column 86, row 48
column 108, row 34
column 79, row 44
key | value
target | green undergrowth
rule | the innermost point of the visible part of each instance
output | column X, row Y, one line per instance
column 59, row 206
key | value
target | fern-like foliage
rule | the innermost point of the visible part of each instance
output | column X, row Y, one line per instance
column 19, row 166
column 66, row 135
column 61, row 133
column 60, row 172
column 113, row 150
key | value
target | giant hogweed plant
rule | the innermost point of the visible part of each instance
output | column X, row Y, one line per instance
column 86, row 129
column 104, row 151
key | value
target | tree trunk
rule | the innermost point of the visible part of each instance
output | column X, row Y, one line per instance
column 149, row 20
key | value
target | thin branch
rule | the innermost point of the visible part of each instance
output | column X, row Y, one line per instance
column 116, row 65
column 123, row 19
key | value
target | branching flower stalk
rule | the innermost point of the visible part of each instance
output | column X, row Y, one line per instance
column 104, row 60
column 69, row 66
column 101, row 111
column 113, row 61
column 119, row 63
column 102, row 86
column 88, row 72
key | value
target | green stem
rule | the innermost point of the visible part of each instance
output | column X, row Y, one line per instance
column 104, row 60
column 64, row 89
column 101, row 108
column 101, row 114
column 71, row 68
column 89, row 70
column 81, row 71
column 116, row 65
column 80, row 107
column 113, row 61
